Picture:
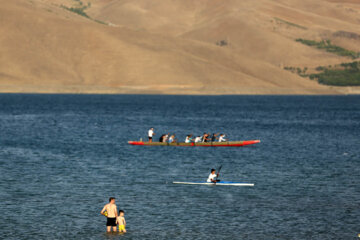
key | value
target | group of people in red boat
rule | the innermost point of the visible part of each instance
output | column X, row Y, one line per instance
column 206, row 137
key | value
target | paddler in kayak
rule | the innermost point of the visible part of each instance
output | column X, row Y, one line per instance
column 213, row 177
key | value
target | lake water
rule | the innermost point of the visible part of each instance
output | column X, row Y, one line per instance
column 63, row 156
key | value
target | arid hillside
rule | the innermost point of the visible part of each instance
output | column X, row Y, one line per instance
column 172, row 46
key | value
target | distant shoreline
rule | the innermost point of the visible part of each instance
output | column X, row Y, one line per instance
column 215, row 92
column 325, row 93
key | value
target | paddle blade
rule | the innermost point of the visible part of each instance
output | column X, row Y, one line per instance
column 219, row 169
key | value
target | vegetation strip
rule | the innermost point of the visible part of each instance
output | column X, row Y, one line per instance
column 290, row 23
column 329, row 47
column 345, row 74
column 81, row 11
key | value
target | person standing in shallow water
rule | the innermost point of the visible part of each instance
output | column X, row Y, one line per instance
column 110, row 212
column 121, row 221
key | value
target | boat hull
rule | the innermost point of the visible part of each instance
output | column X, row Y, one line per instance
column 221, row 183
column 205, row 144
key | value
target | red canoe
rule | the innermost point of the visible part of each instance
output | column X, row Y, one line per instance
column 205, row 144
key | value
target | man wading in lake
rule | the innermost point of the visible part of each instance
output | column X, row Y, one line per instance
column 110, row 211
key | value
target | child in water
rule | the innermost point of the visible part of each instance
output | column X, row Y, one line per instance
column 121, row 221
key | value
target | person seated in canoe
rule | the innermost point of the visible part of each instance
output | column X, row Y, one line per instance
column 213, row 177
column 172, row 138
column 208, row 137
column 222, row 138
column 214, row 137
column 205, row 137
column 197, row 139
column 188, row 139
column 166, row 138
column 161, row 139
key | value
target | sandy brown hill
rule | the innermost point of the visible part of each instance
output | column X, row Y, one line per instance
column 168, row 46
column 256, row 29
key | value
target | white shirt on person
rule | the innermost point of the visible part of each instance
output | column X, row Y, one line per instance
column 212, row 177
column 151, row 133
column 187, row 140
column 222, row 139
column 198, row 139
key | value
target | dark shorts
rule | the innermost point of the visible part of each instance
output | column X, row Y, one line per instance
column 150, row 138
column 111, row 222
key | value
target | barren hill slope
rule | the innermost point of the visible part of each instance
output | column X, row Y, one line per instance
column 169, row 46
column 258, row 29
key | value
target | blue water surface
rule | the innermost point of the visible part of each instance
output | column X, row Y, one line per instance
column 63, row 156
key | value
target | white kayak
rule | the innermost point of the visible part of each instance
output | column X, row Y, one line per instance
column 221, row 183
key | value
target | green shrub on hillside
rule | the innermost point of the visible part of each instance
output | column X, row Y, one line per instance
column 101, row 22
column 349, row 75
column 329, row 47
column 345, row 74
column 337, row 77
column 79, row 11
column 299, row 71
column 222, row 43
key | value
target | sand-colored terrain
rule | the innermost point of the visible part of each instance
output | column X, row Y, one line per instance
column 169, row 46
